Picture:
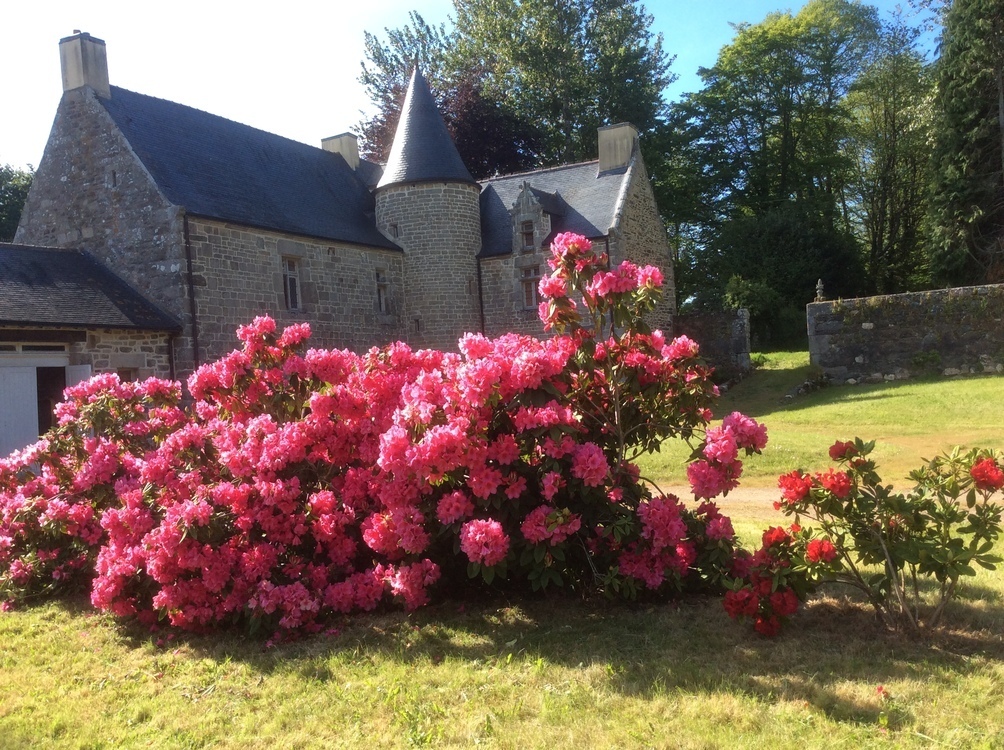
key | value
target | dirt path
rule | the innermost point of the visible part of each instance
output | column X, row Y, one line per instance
column 747, row 502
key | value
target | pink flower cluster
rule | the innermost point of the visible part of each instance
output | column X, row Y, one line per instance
column 305, row 482
column 719, row 471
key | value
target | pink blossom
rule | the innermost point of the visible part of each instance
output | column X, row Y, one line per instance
column 681, row 347
column 662, row 524
column 720, row 445
column 709, row 480
column 484, row 542
column 552, row 286
column 546, row 523
column 590, row 465
column 748, row 432
column 454, row 507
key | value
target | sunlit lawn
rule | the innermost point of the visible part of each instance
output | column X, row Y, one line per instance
column 909, row 420
column 559, row 673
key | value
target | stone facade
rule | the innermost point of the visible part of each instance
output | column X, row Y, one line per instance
column 134, row 355
column 238, row 275
column 639, row 235
column 438, row 225
column 945, row 332
column 91, row 191
column 100, row 190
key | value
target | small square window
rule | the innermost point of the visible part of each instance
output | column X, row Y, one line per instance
column 382, row 293
column 291, row 283
column 530, row 280
column 526, row 231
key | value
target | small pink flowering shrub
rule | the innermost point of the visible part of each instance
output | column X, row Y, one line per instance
column 305, row 482
column 53, row 494
column 876, row 540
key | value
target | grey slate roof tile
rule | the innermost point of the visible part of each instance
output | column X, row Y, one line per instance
column 218, row 168
column 47, row 287
column 423, row 150
column 577, row 198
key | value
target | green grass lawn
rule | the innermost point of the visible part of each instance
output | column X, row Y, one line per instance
column 910, row 420
column 557, row 673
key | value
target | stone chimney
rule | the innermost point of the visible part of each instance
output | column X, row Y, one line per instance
column 345, row 144
column 84, row 63
column 617, row 145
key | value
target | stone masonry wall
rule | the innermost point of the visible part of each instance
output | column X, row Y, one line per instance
column 503, row 295
column 947, row 332
column 640, row 236
column 238, row 276
column 439, row 227
column 724, row 338
column 91, row 192
column 141, row 354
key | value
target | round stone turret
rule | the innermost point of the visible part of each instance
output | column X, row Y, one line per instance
column 428, row 203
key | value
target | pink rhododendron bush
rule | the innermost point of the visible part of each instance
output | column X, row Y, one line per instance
column 305, row 482
column 883, row 543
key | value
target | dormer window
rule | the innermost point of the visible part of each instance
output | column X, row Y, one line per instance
column 526, row 232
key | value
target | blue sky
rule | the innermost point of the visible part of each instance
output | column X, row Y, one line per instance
column 291, row 72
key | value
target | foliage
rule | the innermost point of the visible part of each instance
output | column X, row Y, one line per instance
column 53, row 495
column 14, row 186
column 543, row 76
column 303, row 484
column 889, row 142
column 766, row 136
column 490, row 136
column 886, row 544
column 967, row 188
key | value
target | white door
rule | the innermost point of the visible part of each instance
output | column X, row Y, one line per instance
column 18, row 408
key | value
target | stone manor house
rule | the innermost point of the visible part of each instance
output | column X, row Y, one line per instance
column 152, row 230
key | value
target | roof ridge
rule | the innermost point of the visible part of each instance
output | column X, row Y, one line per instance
column 541, row 170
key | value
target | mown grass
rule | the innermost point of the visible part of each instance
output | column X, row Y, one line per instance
column 910, row 420
column 550, row 673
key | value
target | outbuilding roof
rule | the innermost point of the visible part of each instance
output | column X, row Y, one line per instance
column 42, row 286
column 218, row 168
column 577, row 198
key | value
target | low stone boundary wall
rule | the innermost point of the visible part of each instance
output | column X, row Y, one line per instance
column 724, row 338
column 898, row 336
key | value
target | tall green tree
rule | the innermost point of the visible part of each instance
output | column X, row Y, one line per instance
column 767, row 129
column 14, row 186
column 890, row 107
column 967, row 186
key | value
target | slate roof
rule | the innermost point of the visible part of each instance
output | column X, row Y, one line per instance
column 47, row 287
column 423, row 150
column 218, row 168
column 577, row 198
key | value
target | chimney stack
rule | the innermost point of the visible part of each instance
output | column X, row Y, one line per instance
column 84, row 63
column 345, row 144
column 617, row 145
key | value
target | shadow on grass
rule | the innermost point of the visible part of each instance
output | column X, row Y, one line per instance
column 644, row 650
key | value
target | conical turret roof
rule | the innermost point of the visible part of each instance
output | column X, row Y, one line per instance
column 423, row 150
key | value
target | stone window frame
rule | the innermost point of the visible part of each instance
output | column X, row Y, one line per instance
column 529, row 280
column 528, row 242
column 382, row 299
column 292, row 289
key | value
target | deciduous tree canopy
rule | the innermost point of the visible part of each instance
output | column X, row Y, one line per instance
column 14, row 185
